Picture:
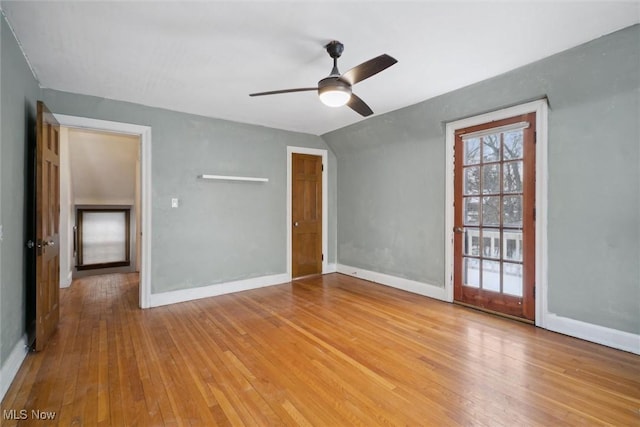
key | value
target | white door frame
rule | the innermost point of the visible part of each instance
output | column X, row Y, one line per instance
column 539, row 107
column 144, row 132
column 325, row 205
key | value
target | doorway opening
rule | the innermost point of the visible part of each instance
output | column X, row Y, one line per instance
column 100, row 203
column 470, row 240
column 494, row 220
column 112, row 137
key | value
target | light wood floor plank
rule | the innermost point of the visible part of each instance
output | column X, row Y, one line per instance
column 322, row 351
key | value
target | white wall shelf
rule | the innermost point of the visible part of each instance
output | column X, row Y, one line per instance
column 234, row 178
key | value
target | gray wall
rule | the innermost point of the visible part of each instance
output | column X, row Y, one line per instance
column 222, row 231
column 19, row 93
column 391, row 179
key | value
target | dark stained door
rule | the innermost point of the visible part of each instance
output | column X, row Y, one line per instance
column 306, row 229
column 494, row 233
column 47, row 225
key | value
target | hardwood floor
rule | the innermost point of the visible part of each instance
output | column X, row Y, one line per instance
column 324, row 351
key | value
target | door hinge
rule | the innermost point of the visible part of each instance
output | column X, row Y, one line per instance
column 323, row 168
column 534, row 290
column 322, row 257
column 534, row 214
column 535, row 137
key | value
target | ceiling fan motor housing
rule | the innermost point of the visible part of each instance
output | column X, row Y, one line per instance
column 335, row 49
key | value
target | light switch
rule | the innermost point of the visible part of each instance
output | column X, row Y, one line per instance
column 174, row 203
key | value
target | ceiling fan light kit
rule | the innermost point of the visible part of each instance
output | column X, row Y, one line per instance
column 333, row 92
column 336, row 89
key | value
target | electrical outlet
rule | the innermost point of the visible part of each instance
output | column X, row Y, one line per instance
column 174, row 203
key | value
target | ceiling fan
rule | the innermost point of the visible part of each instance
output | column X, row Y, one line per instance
column 335, row 90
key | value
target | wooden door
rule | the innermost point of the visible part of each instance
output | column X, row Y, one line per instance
column 306, row 229
column 47, row 225
column 494, row 239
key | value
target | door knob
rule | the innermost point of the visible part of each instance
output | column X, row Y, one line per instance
column 49, row 243
column 295, row 224
column 458, row 230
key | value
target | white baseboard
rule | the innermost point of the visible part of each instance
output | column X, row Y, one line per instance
column 12, row 365
column 190, row 294
column 65, row 283
column 332, row 267
column 420, row 288
column 598, row 334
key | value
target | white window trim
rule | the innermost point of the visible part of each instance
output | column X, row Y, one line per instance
column 539, row 107
column 144, row 132
column 325, row 203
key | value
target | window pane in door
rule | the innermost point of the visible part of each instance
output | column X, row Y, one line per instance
column 103, row 237
column 491, row 179
column 471, row 272
column 512, row 177
column 512, row 209
column 513, row 147
column 471, row 214
column 513, row 245
column 491, row 243
column 512, row 279
column 491, row 275
column 472, row 241
column 472, row 180
column 491, row 148
column 472, row 151
column 491, row 211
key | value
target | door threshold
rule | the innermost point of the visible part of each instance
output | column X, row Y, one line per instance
column 497, row 313
column 308, row 276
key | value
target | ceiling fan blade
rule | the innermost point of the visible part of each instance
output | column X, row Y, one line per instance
column 368, row 69
column 359, row 106
column 275, row 92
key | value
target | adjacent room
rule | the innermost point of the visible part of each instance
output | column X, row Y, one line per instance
column 320, row 213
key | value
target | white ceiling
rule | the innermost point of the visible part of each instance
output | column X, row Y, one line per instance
column 205, row 57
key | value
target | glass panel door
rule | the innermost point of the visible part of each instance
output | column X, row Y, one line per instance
column 494, row 209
